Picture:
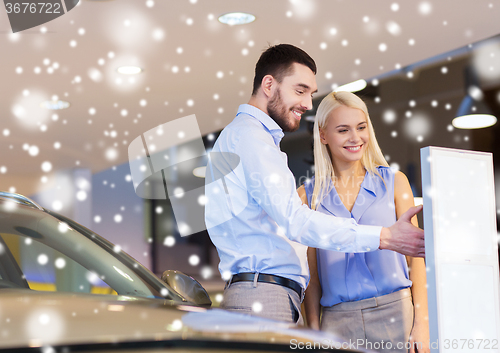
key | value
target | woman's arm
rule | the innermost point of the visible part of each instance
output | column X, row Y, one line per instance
column 313, row 292
column 403, row 199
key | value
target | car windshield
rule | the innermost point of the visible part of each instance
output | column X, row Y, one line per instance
column 43, row 250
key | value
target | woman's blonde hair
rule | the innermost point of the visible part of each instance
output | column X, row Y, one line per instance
column 323, row 167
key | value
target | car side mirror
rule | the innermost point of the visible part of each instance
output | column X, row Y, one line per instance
column 187, row 287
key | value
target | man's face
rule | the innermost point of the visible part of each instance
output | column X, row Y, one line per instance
column 292, row 97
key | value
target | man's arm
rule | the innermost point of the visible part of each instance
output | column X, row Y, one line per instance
column 265, row 175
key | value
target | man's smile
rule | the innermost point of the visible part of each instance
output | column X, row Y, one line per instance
column 297, row 113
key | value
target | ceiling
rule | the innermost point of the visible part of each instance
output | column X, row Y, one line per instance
column 192, row 65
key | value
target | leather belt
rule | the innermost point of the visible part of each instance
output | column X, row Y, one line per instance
column 273, row 279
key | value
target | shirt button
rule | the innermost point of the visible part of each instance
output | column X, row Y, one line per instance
column 367, row 249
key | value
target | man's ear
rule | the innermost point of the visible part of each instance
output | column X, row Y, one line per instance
column 268, row 82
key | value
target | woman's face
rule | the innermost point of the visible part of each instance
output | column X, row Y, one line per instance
column 346, row 134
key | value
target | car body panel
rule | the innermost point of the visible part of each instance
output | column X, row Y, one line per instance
column 43, row 319
column 145, row 314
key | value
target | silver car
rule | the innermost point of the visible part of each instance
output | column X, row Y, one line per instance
column 65, row 288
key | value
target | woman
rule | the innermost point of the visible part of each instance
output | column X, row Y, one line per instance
column 364, row 296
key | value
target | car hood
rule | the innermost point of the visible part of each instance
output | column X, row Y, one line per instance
column 46, row 319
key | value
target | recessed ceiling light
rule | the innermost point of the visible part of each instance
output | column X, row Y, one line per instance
column 200, row 172
column 236, row 18
column 54, row 105
column 353, row 86
column 129, row 70
column 474, row 121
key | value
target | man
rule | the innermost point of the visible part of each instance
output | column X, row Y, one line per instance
column 254, row 215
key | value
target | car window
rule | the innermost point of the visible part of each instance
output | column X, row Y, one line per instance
column 46, row 269
column 43, row 250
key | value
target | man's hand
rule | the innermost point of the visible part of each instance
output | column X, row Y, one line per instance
column 404, row 237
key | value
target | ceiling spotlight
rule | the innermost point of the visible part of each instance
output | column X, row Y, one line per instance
column 54, row 105
column 129, row 70
column 353, row 86
column 473, row 112
column 474, row 121
column 200, row 172
column 236, row 18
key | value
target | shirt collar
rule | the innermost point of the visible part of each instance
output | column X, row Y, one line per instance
column 274, row 129
column 369, row 183
column 333, row 204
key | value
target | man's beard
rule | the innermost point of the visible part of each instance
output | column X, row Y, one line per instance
column 280, row 113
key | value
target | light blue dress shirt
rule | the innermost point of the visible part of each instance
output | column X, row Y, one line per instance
column 357, row 276
column 253, row 213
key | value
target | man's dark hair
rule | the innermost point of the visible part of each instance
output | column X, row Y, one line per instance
column 278, row 61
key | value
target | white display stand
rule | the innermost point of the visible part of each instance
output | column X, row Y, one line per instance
column 461, row 250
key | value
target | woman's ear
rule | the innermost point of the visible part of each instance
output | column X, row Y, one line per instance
column 322, row 136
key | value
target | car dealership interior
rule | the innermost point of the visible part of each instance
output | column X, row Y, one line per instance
column 78, row 90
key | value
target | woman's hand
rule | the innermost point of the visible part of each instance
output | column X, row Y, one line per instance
column 313, row 324
column 419, row 338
